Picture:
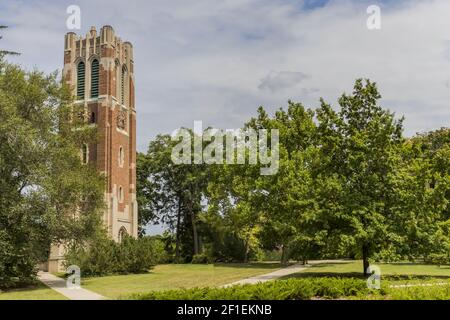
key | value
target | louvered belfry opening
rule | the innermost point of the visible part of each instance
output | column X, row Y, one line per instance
column 124, row 71
column 94, row 78
column 81, row 76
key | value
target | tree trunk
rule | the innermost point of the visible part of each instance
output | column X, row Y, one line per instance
column 246, row 251
column 365, row 257
column 284, row 257
column 194, row 233
column 177, row 244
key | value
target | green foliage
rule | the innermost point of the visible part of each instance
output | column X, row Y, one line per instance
column 360, row 148
column 103, row 256
column 308, row 288
column 436, row 292
column 201, row 258
column 348, row 185
column 42, row 181
column 271, row 255
column 171, row 194
column 292, row 289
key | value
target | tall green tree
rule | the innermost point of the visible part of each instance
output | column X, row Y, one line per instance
column 423, row 197
column 46, row 194
column 172, row 193
column 287, row 199
column 360, row 146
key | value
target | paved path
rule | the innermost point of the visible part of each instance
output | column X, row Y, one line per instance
column 281, row 273
column 59, row 285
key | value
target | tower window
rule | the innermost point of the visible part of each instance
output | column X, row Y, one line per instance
column 122, row 233
column 121, row 157
column 120, row 194
column 85, row 154
column 81, row 69
column 94, row 78
column 92, row 118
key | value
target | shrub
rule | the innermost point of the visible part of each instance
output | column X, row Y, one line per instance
column 439, row 258
column 272, row 255
column 292, row 289
column 430, row 291
column 104, row 256
column 201, row 258
column 305, row 289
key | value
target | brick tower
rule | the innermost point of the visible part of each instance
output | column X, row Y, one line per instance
column 100, row 70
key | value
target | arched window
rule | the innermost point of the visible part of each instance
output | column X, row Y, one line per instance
column 121, row 156
column 94, row 78
column 85, row 154
column 120, row 194
column 81, row 70
column 124, row 85
column 122, row 233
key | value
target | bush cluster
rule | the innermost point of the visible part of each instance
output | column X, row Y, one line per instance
column 292, row 289
column 307, row 289
column 436, row 292
column 104, row 256
column 202, row 258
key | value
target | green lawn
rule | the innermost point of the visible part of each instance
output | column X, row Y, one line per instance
column 179, row 276
column 38, row 292
column 391, row 270
column 176, row 276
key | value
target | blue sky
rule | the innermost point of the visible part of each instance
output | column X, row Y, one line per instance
column 217, row 61
column 314, row 4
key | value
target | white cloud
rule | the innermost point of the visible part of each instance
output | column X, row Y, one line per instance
column 276, row 81
column 217, row 61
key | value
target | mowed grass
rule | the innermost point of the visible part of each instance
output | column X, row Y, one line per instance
column 184, row 276
column 176, row 276
column 38, row 292
column 398, row 271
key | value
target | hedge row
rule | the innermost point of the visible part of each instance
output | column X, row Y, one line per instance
column 105, row 257
column 304, row 289
column 292, row 289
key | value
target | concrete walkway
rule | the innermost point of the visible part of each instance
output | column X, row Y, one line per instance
column 281, row 273
column 59, row 285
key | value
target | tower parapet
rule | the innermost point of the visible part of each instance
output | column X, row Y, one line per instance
column 111, row 53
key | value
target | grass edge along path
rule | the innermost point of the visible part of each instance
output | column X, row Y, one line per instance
column 37, row 292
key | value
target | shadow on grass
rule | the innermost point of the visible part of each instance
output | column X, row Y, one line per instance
column 31, row 287
column 252, row 265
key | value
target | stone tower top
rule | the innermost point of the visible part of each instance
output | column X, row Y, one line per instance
column 115, row 58
column 92, row 43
